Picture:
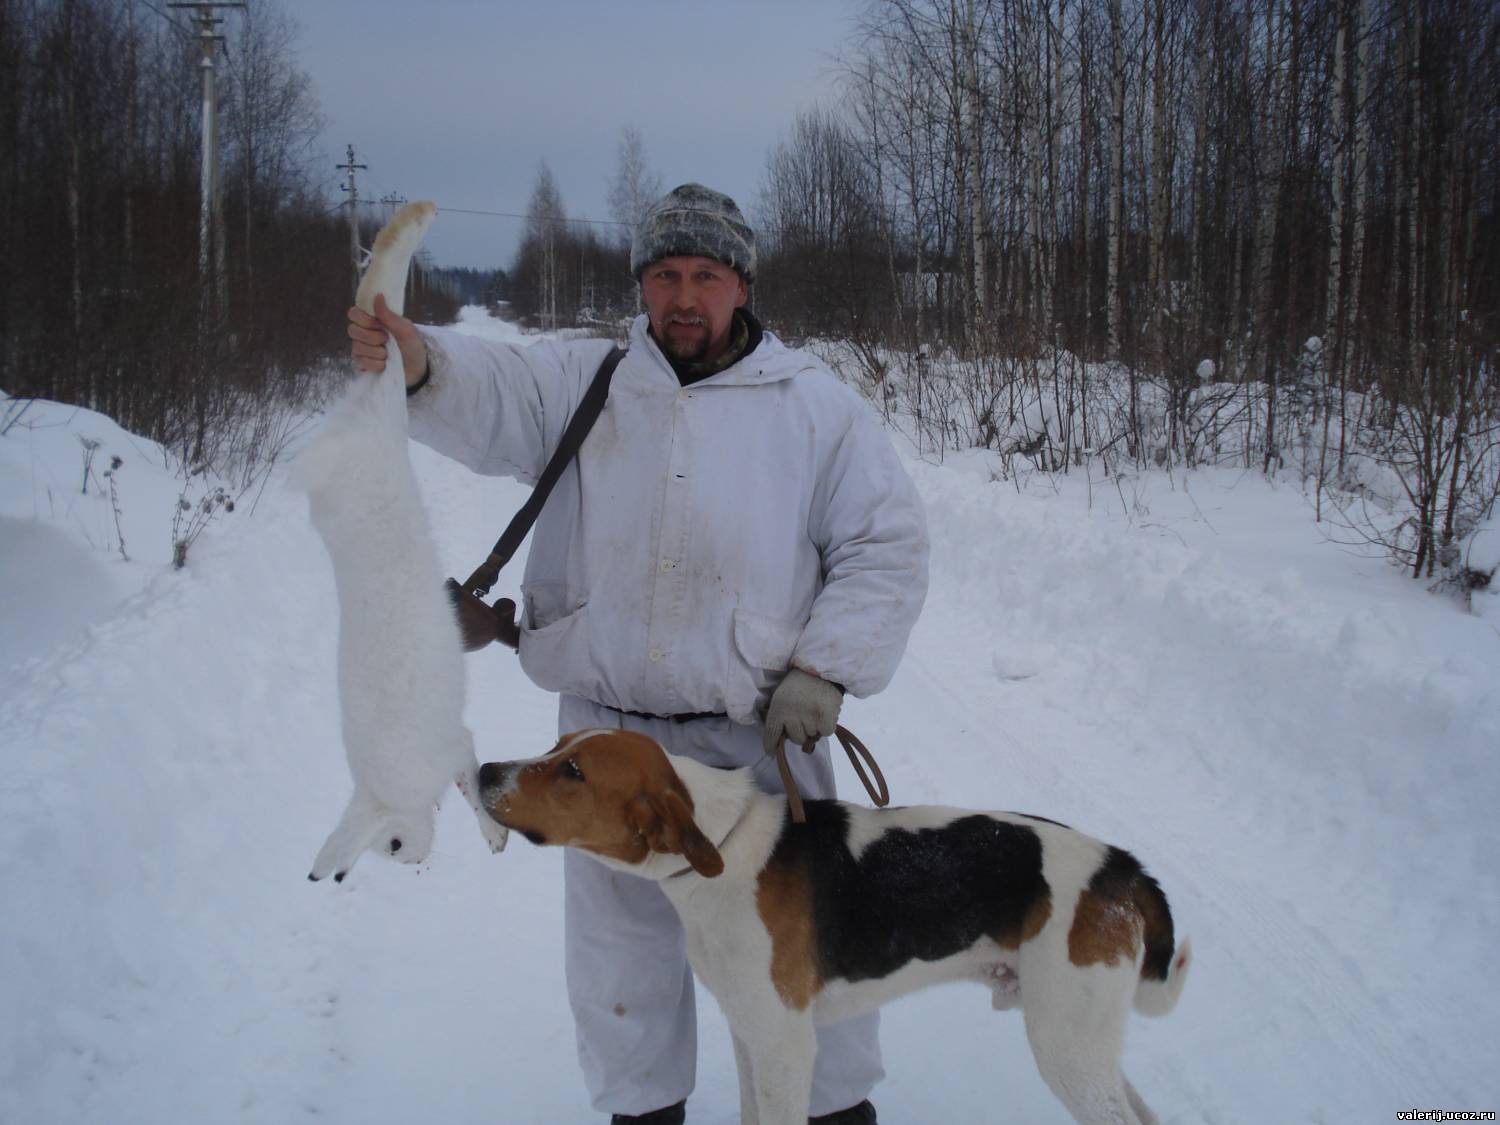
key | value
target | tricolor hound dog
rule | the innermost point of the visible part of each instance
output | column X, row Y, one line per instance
column 792, row 925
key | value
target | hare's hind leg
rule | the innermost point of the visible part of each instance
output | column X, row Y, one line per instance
column 495, row 834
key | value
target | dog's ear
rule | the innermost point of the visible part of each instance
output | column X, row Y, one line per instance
column 666, row 824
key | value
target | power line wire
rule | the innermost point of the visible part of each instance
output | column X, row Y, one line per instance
column 763, row 228
column 169, row 19
column 496, row 214
column 515, row 215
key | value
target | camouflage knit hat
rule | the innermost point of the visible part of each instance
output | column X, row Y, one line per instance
column 694, row 221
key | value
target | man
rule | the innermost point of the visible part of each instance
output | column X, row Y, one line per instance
column 734, row 547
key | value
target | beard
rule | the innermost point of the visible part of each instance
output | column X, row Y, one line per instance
column 688, row 349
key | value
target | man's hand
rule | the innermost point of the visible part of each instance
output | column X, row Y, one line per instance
column 803, row 708
column 369, row 334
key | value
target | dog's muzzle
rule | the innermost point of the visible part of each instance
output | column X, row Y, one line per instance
column 493, row 775
column 494, row 779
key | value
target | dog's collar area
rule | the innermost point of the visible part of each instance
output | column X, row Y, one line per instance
column 719, row 845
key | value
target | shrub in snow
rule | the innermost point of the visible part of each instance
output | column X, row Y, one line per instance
column 1482, row 548
column 1473, row 561
column 12, row 412
column 90, row 447
column 191, row 516
column 114, row 502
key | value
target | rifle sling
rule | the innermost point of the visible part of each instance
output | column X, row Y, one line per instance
column 578, row 428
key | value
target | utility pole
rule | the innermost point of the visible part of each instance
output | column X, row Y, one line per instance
column 390, row 203
column 211, row 271
column 353, row 189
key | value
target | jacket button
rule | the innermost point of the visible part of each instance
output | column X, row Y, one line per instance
column 655, row 654
column 667, row 564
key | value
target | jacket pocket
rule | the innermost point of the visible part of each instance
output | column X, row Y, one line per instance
column 556, row 656
column 763, row 647
column 549, row 601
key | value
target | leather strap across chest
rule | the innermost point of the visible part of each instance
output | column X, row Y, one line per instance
column 478, row 623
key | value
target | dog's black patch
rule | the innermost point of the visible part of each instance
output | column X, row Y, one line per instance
column 535, row 837
column 1121, row 878
column 922, row 895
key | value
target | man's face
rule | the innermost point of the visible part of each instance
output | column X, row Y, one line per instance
column 691, row 303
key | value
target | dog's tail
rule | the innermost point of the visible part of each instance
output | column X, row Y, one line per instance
column 1163, row 971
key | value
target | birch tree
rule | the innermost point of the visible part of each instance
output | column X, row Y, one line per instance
column 635, row 185
column 1161, row 174
column 545, row 218
column 1116, row 171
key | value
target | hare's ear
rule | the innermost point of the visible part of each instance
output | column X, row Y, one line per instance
column 666, row 823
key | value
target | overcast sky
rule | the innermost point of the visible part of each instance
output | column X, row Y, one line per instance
column 458, row 101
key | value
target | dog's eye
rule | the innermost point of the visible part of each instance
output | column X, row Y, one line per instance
column 570, row 769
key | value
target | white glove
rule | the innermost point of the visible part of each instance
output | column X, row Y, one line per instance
column 803, row 708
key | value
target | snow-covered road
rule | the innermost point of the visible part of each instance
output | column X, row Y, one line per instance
column 1300, row 743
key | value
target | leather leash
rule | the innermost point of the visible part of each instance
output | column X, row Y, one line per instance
column 855, row 749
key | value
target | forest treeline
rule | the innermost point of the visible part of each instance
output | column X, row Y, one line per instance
column 1304, row 193
column 1155, row 180
column 102, row 299
column 1067, row 227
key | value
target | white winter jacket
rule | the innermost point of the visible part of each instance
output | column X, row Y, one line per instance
column 706, row 537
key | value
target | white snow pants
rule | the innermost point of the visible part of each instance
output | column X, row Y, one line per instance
column 629, row 982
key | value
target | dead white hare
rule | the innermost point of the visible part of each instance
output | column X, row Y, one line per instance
column 400, row 662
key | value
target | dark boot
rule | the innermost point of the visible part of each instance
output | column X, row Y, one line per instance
column 861, row 1114
column 670, row 1115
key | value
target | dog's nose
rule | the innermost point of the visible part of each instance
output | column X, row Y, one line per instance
column 491, row 773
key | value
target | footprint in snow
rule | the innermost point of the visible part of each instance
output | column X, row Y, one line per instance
column 1012, row 667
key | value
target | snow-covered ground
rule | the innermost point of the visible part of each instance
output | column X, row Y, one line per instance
column 1302, row 745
